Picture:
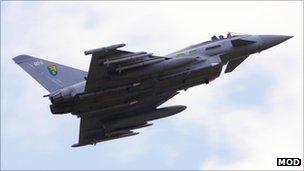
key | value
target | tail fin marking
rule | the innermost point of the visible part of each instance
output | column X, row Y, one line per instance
column 50, row 75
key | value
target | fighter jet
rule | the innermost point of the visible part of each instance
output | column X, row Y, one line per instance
column 122, row 90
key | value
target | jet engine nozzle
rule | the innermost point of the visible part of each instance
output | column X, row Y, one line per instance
column 62, row 95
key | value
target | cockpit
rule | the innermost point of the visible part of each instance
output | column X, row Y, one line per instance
column 219, row 36
column 228, row 35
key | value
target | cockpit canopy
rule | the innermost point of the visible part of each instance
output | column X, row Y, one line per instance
column 225, row 35
column 216, row 37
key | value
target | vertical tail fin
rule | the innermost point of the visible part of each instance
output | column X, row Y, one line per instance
column 50, row 75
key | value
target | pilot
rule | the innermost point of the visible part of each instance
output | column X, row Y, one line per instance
column 228, row 35
column 221, row 37
column 214, row 38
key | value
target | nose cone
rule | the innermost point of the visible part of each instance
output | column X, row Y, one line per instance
column 272, row 40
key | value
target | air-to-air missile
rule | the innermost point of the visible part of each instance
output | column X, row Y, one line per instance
column 123, row 90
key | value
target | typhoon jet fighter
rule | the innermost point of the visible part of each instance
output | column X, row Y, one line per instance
column 123, row 90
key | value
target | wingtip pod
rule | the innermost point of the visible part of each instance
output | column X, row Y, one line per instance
column 104, row 49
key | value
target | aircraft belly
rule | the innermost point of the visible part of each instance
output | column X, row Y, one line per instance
column 126, row 98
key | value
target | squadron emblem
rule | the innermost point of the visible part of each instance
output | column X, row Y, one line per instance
column 53, row 70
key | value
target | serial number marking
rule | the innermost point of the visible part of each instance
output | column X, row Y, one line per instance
column 36, row 63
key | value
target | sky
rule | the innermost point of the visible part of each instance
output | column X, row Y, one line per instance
column 242, row 120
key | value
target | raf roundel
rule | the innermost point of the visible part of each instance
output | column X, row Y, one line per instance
column 53, row 70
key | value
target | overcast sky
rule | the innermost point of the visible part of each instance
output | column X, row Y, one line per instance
column 242, row 120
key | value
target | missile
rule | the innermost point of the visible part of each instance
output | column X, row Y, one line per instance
column 131, row 128
column 104, row 49
column 121, row 135
column 143, row 117
column 127, row 58
column 160, row 66
column 114, row 134
column 139, row 64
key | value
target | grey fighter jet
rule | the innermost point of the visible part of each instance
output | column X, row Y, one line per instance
column 123, row 90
